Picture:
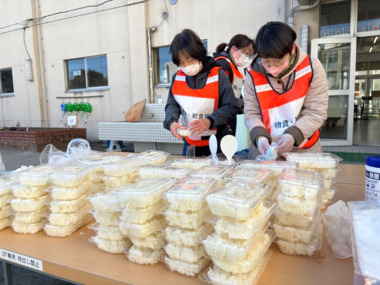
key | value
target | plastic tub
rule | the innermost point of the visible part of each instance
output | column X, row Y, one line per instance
column 140, row 216
column 65, row 231
column 255, row 175
column 5, row 223
column 144, row 255
column 152, row 171
column 329, row 173
column 122, row 167
column 189, row 194
column 186, row 220
column 141, row 195
column 5, row 200
column 213, row 171
column 182, row 237
column 106, row 218
column 97, row 160
column 70, row 176
column 154, row 156
column 291, row 220
column 191, row 163
column 29, row 217
column 297, row 206
column 28, row 228
column 254, row 257
column 186, row 254
column 29, row 205
column 246, row 229
column 141, row 231
column 4, row 212
column 68, row 219
column 35, row 176
column 237, row 203
column 65, row 207
column 107, row 232
column 185, row 268
column 111, row 246
column 113, row 182
column 222, row 247
column 153, row 241
column 104, row 202
column 66, row 194
column 313, row 160
column 29, row 192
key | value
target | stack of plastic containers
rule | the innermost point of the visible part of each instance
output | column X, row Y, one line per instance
column 5, row 196
column 69, row 206
column 239, row 246
column 141, row 207
column 121, row 172
column 30, row 200
column 154, row 157
column 163, row 171
column 325, row 163
column 186, row 214
column 297, row 222
column 108, row 237
column 191, row 163
column 217, row 172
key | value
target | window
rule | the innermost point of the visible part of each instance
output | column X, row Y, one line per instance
column 368, row 15
column 87, row 73
column 6, row 81
column 335, row 18
column 164, row 68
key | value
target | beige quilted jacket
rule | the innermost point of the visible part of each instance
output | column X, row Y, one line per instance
column 312, row 115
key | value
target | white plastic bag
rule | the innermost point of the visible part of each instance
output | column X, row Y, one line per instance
column 78, row 147
column 52, row 155
column 337, row 219
column 2, row 166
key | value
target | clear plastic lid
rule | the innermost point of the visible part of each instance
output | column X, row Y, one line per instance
column 185, row 237
column 99, row 159
column 71, row 193
column 163, row 171
column 329, row 173
column 104, row 202
column 186, row 220
column 191, row 187
column 213, row 171
column 153, row 241
column 186, row 254
column 35, row 176
column 6, row 185
column 304, row 178
column 250, row 175
column 66, row 207
column 191, row 163
column 140, row 216
column 29, row 217
column 4, row 212
column 154, row 156
column 28, row 192
column 123, row 167
column 268, row 164
column 29, row 205
column 67, row 219
column 5, row 199
column 328, row 194
column 292, row 220
column 185, row 268
column 144, row 255
column 111, row 246
column 313, row 160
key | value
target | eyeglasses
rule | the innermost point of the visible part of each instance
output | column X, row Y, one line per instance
column 275, row 63
column 248, row 56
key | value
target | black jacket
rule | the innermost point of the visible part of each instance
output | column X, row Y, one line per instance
column 228, row 107
column 225, row 65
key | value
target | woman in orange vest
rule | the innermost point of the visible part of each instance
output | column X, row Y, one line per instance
column 200, row 92
column 237, row 53
column 286, row 94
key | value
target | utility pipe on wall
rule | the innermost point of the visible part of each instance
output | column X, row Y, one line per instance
column 290, row 19
column 304, row 37
column 150, row 61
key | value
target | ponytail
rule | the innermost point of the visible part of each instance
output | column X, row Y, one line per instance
column 220, row 48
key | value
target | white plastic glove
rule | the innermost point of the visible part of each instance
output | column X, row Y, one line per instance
column 285, row 144
column 262, row 145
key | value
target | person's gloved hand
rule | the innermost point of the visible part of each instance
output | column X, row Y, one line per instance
column 285, row 144
column 262, row 145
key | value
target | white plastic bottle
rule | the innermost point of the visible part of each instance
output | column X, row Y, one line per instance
column 159, row 99
column 372, row 178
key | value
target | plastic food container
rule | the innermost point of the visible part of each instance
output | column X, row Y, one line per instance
column 28, row 228
column 185, row 268
column 142, row 195
column 246, row 229
column 29, row 192
column 140, row 216
column 329, row 173
column 276, row 166
column 191, row 163
column 154, row 156
column 160, row 171
column 153, row 241
column 313, row 160
column 70, row 176
column 4, row 223
column 186, row 254
column 65, row 231
column 4, row 200
column 65, row 207
column 301, row 248
column 6, row 186
column 224, row 248
column 217, row 276
column 36, row 176
column 254, row 257
column 107, row 232
column 144, row 255
column 186, row 220
column 68, row 219
column 254, row 175
column 141, row 231
column 291, row 220
column 106, row 218
column 329, row 194
column 104, row 202
column 298, row 206
column 112, row 182
column 29, row 217
column 213, row 171
column 97, row 160
column 328, row 184
column 182, row 237
column 303, row 184
column 237, row 203
column 111, row 246
column 67, row 194
column 29, row 205
column 4, row 212
column 189, row 194
column 122, row 167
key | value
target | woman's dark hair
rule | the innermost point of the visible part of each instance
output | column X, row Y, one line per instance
column 188, row 43
column 239, row 41
column 275, row 40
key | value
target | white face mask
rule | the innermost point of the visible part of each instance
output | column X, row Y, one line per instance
column 243, row 59
column 191, row 70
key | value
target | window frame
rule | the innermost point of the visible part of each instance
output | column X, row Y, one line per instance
column 87, row 89
column 1, row 84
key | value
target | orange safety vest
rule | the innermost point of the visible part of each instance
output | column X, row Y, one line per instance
column 280, row 110
column 197, row 103
column 235, row 71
